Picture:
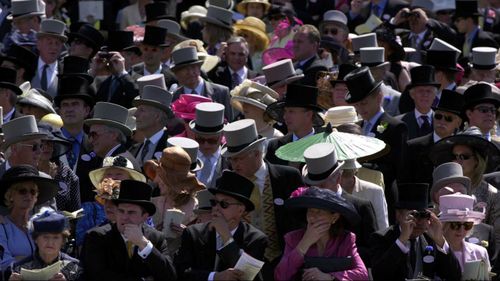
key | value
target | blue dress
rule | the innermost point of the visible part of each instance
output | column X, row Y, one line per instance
column 17, row 244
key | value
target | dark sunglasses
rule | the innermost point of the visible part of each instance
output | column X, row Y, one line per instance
column 462, row 157
column 34, row 147
column 439, row 116
column 201, row 140
column 222, row 204
column 486, row 109
column 456, row 225
column 332, row 31
column 421, row 214
column 24, row 191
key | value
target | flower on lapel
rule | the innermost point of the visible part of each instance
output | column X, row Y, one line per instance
column 484, row 243
column 382, row 127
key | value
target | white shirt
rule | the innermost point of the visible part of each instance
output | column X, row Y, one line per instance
column 110, row 152
column 420, row 36
column 242, row 73
column 51, row 71
column 214, row 158
column 8, row 116
column 154, row 139
column 419, row 120
column 260, row 175
column 296, row 138
column 146, row 72
column 435, row 137
column 199, row 89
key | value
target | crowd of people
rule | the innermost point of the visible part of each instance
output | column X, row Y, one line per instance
column 250, row 139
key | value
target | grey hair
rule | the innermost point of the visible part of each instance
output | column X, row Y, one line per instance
column 8, row 152
column 261, row 148
column 121, row 136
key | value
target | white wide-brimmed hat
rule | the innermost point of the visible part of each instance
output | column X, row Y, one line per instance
column 252, row 93
column 195, row 11
column 116, row 162
column 340, row 115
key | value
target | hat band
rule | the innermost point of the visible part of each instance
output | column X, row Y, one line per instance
column 371, row 64
column 483, row 66
column 324, row 175
column 192, row 166
column 239, row 147
column 208, row 129
column 270, row 84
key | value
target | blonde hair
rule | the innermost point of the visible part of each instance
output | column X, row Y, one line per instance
column 477, row 173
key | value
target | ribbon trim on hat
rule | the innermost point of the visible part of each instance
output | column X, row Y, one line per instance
column 239, row 147
column 322, row 176
column 208, row 129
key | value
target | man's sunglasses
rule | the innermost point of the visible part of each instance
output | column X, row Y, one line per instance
column 439, row 116
column 456, row 225
column 486, row 109
column 34, row 147
column 421, row 214
column 222, row 204
column 201, row 140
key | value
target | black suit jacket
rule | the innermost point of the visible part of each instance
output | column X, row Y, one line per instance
column 105, row 256
column 390, row 10
column 414, row 130
column 138, row 71
column 197, row 255
column 273, row 145
column 221, row 75
column 482, row 39
column 418, row 165
column 162, row 144
column 310, row 69
column 390, row 263
column 493, row 179
column 124, row 94
column 435, row 29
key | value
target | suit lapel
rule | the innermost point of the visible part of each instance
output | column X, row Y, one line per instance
column 209, row 90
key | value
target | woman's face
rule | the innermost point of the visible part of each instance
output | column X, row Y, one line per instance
column 47, row 150
column 464, row 156
column 50, row 243
column 116, row 174
column 24, row 195
column 453, row 234
column 255, row 10
column 252, row 112
column 314, row 215
column 339, row 92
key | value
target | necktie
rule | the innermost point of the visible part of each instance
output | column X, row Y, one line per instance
column 43, row 80
column 71, row 155
column 194, row 92
column 425, row 128
column 130, row 249
column 412, row 258
column 112, row 87
column 466, row 47
column 273, row 249
column 145, row 150
column 367, row 128
column 206, row 171
column 235, row 80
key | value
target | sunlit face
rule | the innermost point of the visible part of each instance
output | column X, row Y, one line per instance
column 464, row 156
column 303, row 47
column 234, row 211
column 236, row 56
column 255, row 10
column 129, row 214
column 188, row 75
column 483, row 116
column 252, row 112
column 423, row 96
column 145, row 117
column 102, row 139
column 49, row 47
column 297, row 118
column 24, row 195
column 73, row 111
column 421, row 224
column 28, row 152
column 116, row 174
column 454, row 234
column 445, row 123
column 246, row 163
column 50, row 244
column 483, row 75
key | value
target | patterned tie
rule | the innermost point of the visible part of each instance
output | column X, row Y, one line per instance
column 235, row 80
column 43, row 80
column 273, row 249
column 145, row 150
column 130, row 249
column 435, row 102
column 426, row 125
column 71, row 155
column 205, row 171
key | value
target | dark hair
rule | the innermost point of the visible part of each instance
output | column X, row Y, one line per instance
column 350, row 128
column 66, row 234
column 337, row 229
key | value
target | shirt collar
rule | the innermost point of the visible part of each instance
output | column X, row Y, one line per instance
column 420, row 35
column 158, row 71
column 110, row 152
column 78, row 137
column 8, row 116
column 242, row 73
column 435, row 137
column 296, row 138
column 154, row 139
column 7, row 165
column 302, row 62
column 261, row 172
column 199, row 88
column 428, row 114
column 41, row 63
column 374, row 119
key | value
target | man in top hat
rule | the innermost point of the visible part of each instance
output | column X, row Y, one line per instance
column 22, row 143
column 383, row 10
column 153, row 111
column 209, row 251
column 323, row 170
column 233, row 70
column 365, row 95
column 207, row 128
column 447, row 119
column 466, row 19
column 152, row 48
column 50, row 42
column 423, row 89
column 123, row 42
column 128, row 248
column 481, row 107
column 187, row 66
column 279, row 74
column 21, row 21
column 300, row 113
column 10, row 91
column 484, row 65
column 305, row 49
column 334, row 24
column 85, row 42
column 398, row 251
column 174, row 37
column 274, row 183
column 22, row 60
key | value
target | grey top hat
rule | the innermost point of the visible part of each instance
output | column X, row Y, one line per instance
column 335, row 16
column 36, row 99
column 153, row 80
column 447, row 173
column 173, row 29
column 155, row 96
column 203, row 197
column 25, row 8
column 185, row 56
column 321, row 162
column 20, row 129
column 191, row 147
column 365, row 40
column 110, row 114
column 280, row 73
column 441, row 45
column 425, row 4
column 484, row 58
column 372, row 56
column 440, row 5
column 240, row 136
column 209, row 118
column 55, row 28
column 219, row 16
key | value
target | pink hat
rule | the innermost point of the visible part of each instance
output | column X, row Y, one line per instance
column 459, row 208
column 272, row 55
column 185, row 106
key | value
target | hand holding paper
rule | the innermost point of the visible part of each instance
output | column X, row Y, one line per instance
column 249, row 265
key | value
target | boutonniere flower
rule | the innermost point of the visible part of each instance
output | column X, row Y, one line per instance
column 382, row 127
column 427, row 43
column 484, row 243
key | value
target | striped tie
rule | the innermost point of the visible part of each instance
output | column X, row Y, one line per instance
column 273, row 249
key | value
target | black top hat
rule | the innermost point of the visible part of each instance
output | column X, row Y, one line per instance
column 8, row 79
column 74, row 65
column 480, row 93
column 47, row 187
column 423, row 76
column 22, row 57
column 297, row 95
column 325, row 199
column 55, row 136
column 333, row 46
column 235, row 185
column 74, row 86
column 450, row 101
column 413, row 196
column 89, row 34
column 50, row 222
column 156, row 11
column 155, row 36
column 136, row 192
column 466, row 8
column 121, row 40
column 442, row 60
column 344, row 69
column 360, row 84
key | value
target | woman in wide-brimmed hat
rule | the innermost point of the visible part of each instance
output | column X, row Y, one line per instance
column 254, row 31
column 21, row 188
column 324, row 236
column 218, row 28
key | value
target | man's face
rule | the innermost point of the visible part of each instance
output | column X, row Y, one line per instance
column 26, row 24
column 368, row 107
column 73, row 111
column 416, row 22
column 303, row 48
column 5, row 95
column 461, row 25
column 423, row 96
column 129, row 214
column 445, row 123
column 255, row 10
column 334, row 30
column 49, row 47
column 102, row 139
column 209, row 144
column 483, row 116
column 19, row 70
column 297, row 118
column 236, row 56
column 483, row 75
column 27, row 152
column 151, row 55
column 233, row 213
column 188, row 75
column 145, row 117
column 79, row 48
column 246, row 163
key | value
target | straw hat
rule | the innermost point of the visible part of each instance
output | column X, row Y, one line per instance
column 112, row 115
column 240, row 136
column 156, row 97
column 459, row 208
column 321, row 162
column 195, row 11
column 252, row 93
column 340, row 115
column 54, row 28
column 254, row 25
column 242, row 6
column 117, row 162
column 209, row 118
column 280, row 73
column 209, row 61
column 20, row 129
column 191, row 147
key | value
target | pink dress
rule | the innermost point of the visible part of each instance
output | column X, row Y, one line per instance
column 341, row 246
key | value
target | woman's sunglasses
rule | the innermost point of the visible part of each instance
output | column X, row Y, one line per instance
column 24, row 191
column 439, row 116
column 462, row 157
column 457, row 225
column 222, row 204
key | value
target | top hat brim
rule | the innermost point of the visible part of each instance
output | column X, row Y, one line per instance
column 453, row 111
column 17, row 61
column 353, row 99
column 286, row 81
column 88, row 99
column 210, row 131
column 441, row 151
column 411, row 205
column 226, row 153
column 64, row 38
column 249, row 206
column 277, row 109
column 216, row 22
column 147, row 205
column 122, row 127
column 463, row 14
column 181, row 65
column 309, row 181
column 413, row 85
column 97, row 174
column 11, row 86
column 474, row 102
column 25, row 137
column 162, row 17
column 87, row 76
column 47, row 188
column 152, row 103
column 236, row 103
column 73, row 35
column 20, row 16
column 445, row 181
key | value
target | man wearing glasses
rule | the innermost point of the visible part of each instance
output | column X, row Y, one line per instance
column 334, row 24
column 481, row 107
column 209, row 251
